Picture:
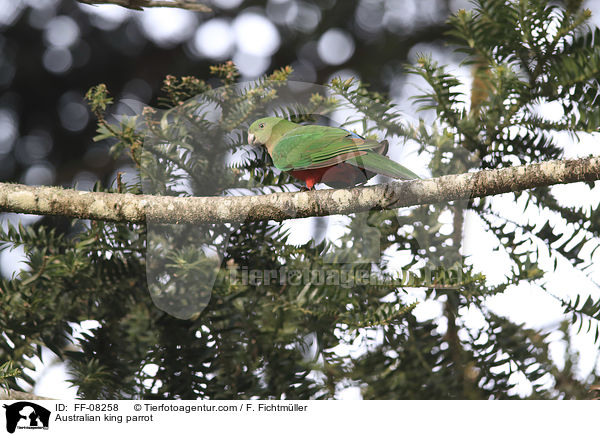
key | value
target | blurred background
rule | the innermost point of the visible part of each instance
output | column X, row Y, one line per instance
column 53, row 51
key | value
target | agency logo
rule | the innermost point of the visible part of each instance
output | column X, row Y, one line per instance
column 26, row 415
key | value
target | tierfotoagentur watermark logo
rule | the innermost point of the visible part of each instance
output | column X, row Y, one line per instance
column 25, row 415
column 345, row 277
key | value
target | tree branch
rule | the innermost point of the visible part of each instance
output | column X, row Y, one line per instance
column 280, row 206
column 141, row 4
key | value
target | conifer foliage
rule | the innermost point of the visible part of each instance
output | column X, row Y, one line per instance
column 177, row 318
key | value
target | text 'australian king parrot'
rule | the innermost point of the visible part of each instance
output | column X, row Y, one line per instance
column 321, row 154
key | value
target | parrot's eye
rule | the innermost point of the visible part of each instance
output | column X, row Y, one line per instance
column 261, row 125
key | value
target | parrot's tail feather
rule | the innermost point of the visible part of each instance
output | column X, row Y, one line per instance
column 383, row 148
column 379, row 164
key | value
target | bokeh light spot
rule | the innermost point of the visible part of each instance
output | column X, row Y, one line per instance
column 369, row 16
column 10, row 10
column 251, row 65
column 37, row 145
column 74, row 116
column 282, row 12
column 39, row 174
column 335, row 47
column 73, row 113
column 308, row 17
column 106, row 17
column 8, row 130
column 61, row 31
column 401, row 16
column 57, row 60
column 168, row 27
column 227, row 4
column 256, row 35
column 214, row 39
column 39, row 17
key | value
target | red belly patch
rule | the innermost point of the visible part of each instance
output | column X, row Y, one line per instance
column 337, row 176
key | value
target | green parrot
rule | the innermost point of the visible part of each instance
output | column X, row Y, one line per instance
column 320, row 154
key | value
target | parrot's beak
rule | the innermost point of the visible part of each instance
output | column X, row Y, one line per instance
column 251, row 138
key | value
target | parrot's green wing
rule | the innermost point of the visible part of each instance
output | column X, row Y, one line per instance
column 382, row 165
column 311, row 147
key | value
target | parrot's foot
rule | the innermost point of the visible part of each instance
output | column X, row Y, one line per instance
column 305, row 189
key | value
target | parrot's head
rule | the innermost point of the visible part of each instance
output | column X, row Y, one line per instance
column 260, row 130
